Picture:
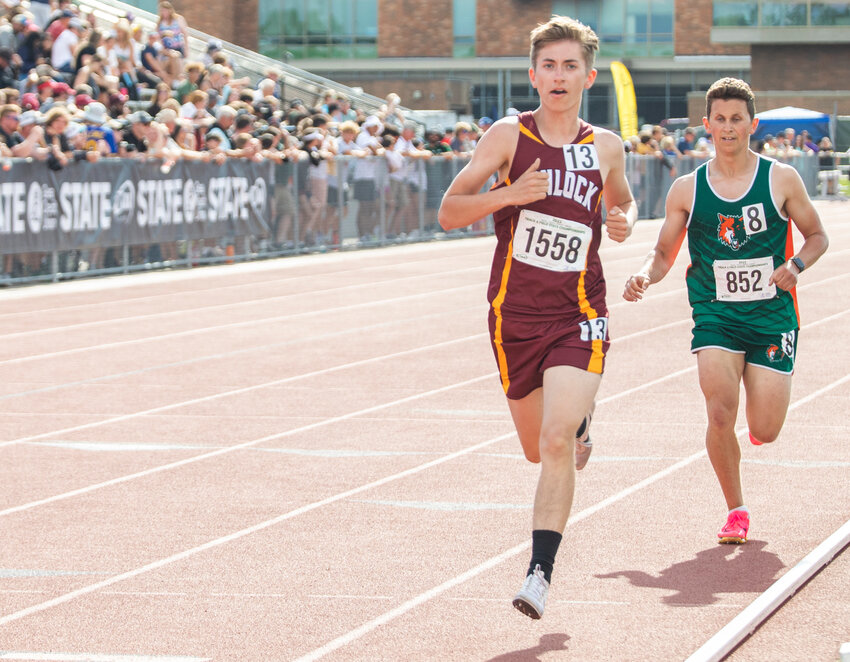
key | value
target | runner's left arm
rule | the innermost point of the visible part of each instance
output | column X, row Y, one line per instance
column 799, row 208
column 621, row 209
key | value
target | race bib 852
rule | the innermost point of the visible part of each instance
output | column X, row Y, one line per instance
column 744, row 280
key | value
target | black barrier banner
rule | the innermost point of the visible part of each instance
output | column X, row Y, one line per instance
column 121, row 201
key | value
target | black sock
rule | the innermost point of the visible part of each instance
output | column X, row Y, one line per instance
column 544, row 546
column 582, row 427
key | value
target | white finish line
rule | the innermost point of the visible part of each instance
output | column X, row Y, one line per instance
column 740, row 627
column 94, row 657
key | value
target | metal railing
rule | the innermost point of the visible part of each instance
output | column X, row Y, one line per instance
column 338, row 207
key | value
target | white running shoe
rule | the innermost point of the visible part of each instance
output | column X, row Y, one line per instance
column 583, row 444
column 531, row 598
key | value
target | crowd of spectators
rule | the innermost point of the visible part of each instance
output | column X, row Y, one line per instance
column 73, row 88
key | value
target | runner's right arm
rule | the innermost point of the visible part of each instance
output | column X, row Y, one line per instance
column 463, row 203
column 670, row 238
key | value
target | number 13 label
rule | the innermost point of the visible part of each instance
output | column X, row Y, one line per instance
column 595, row 329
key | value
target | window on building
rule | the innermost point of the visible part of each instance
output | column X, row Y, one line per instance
column 830, row 13
column 736, row 13
column 776, row 14
column 318, row 28
column 633, row 27
column 779, row 13
column 464, row 28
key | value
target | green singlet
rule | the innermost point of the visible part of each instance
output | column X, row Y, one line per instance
column 735, row 245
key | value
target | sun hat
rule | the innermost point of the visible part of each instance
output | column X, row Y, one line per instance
column 95, row 113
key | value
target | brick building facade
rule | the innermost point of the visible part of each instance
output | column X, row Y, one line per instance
column 415, row 59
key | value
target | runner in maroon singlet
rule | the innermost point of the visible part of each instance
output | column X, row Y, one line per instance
column 548, row 318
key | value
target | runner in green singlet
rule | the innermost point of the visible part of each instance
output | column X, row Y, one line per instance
column 736, row 211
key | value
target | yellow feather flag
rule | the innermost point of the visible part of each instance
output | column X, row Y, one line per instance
column 626, row 103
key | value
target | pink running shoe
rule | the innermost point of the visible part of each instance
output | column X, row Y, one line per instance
column 753, row 440
column 735, row 530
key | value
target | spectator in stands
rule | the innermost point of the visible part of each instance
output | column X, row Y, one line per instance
column 30, row 101
column 434, row 142
column 687, row 143
column 151, row 60
column 799, row 146
column 347, row 113
column 65, row 45
column 167, row 117
column 29, row 44
column 8, row 73
column 123, row 48
column 31, row 132
column 104, row 49
column 462, row 141
column 768, row 145
column 59, row 22
column 61, row 153
column 134, row 137
column 99, row 136
column 265, row 88
column 190, row 82
column 174, row 32
column 484, row 123
column 223, row 126
column 40, row 11
column 826, row 154
column 390, row 113
column 809, row 142
column 61, row 95
column 669, row 154
column 162, row 93
column 10, row 115
column 86, row 48
column 365, row 172
column 195, row 109
column 92, row 74
column 244, row 123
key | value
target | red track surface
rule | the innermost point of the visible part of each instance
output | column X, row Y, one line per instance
column 312, row 458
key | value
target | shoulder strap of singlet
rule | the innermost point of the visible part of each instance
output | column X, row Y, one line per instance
column 528, row 127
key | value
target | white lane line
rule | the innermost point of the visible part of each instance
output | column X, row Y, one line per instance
column 33, row 609
column 233, row 325
column 263, row 302
column 291, row 316
column 405, row 607
column 141, row 280
column 246, row 444
column 410, row 604
column 238, row 391
column 760, row 609
column 94, row 657
column 218, row 356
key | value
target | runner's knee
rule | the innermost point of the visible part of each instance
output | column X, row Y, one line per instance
column 721, row 413
column 556, row 443
column 765, row 434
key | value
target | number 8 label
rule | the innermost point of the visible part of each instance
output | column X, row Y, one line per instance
column 754, row 218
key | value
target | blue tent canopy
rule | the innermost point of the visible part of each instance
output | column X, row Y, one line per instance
column 789, row 117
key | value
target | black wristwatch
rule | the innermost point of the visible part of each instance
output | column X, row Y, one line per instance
column 798, row 263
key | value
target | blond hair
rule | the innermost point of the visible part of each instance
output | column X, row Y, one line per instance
column 564, row 28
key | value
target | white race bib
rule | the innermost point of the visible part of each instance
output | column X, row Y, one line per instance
column 551, row 243
column 744, row 280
